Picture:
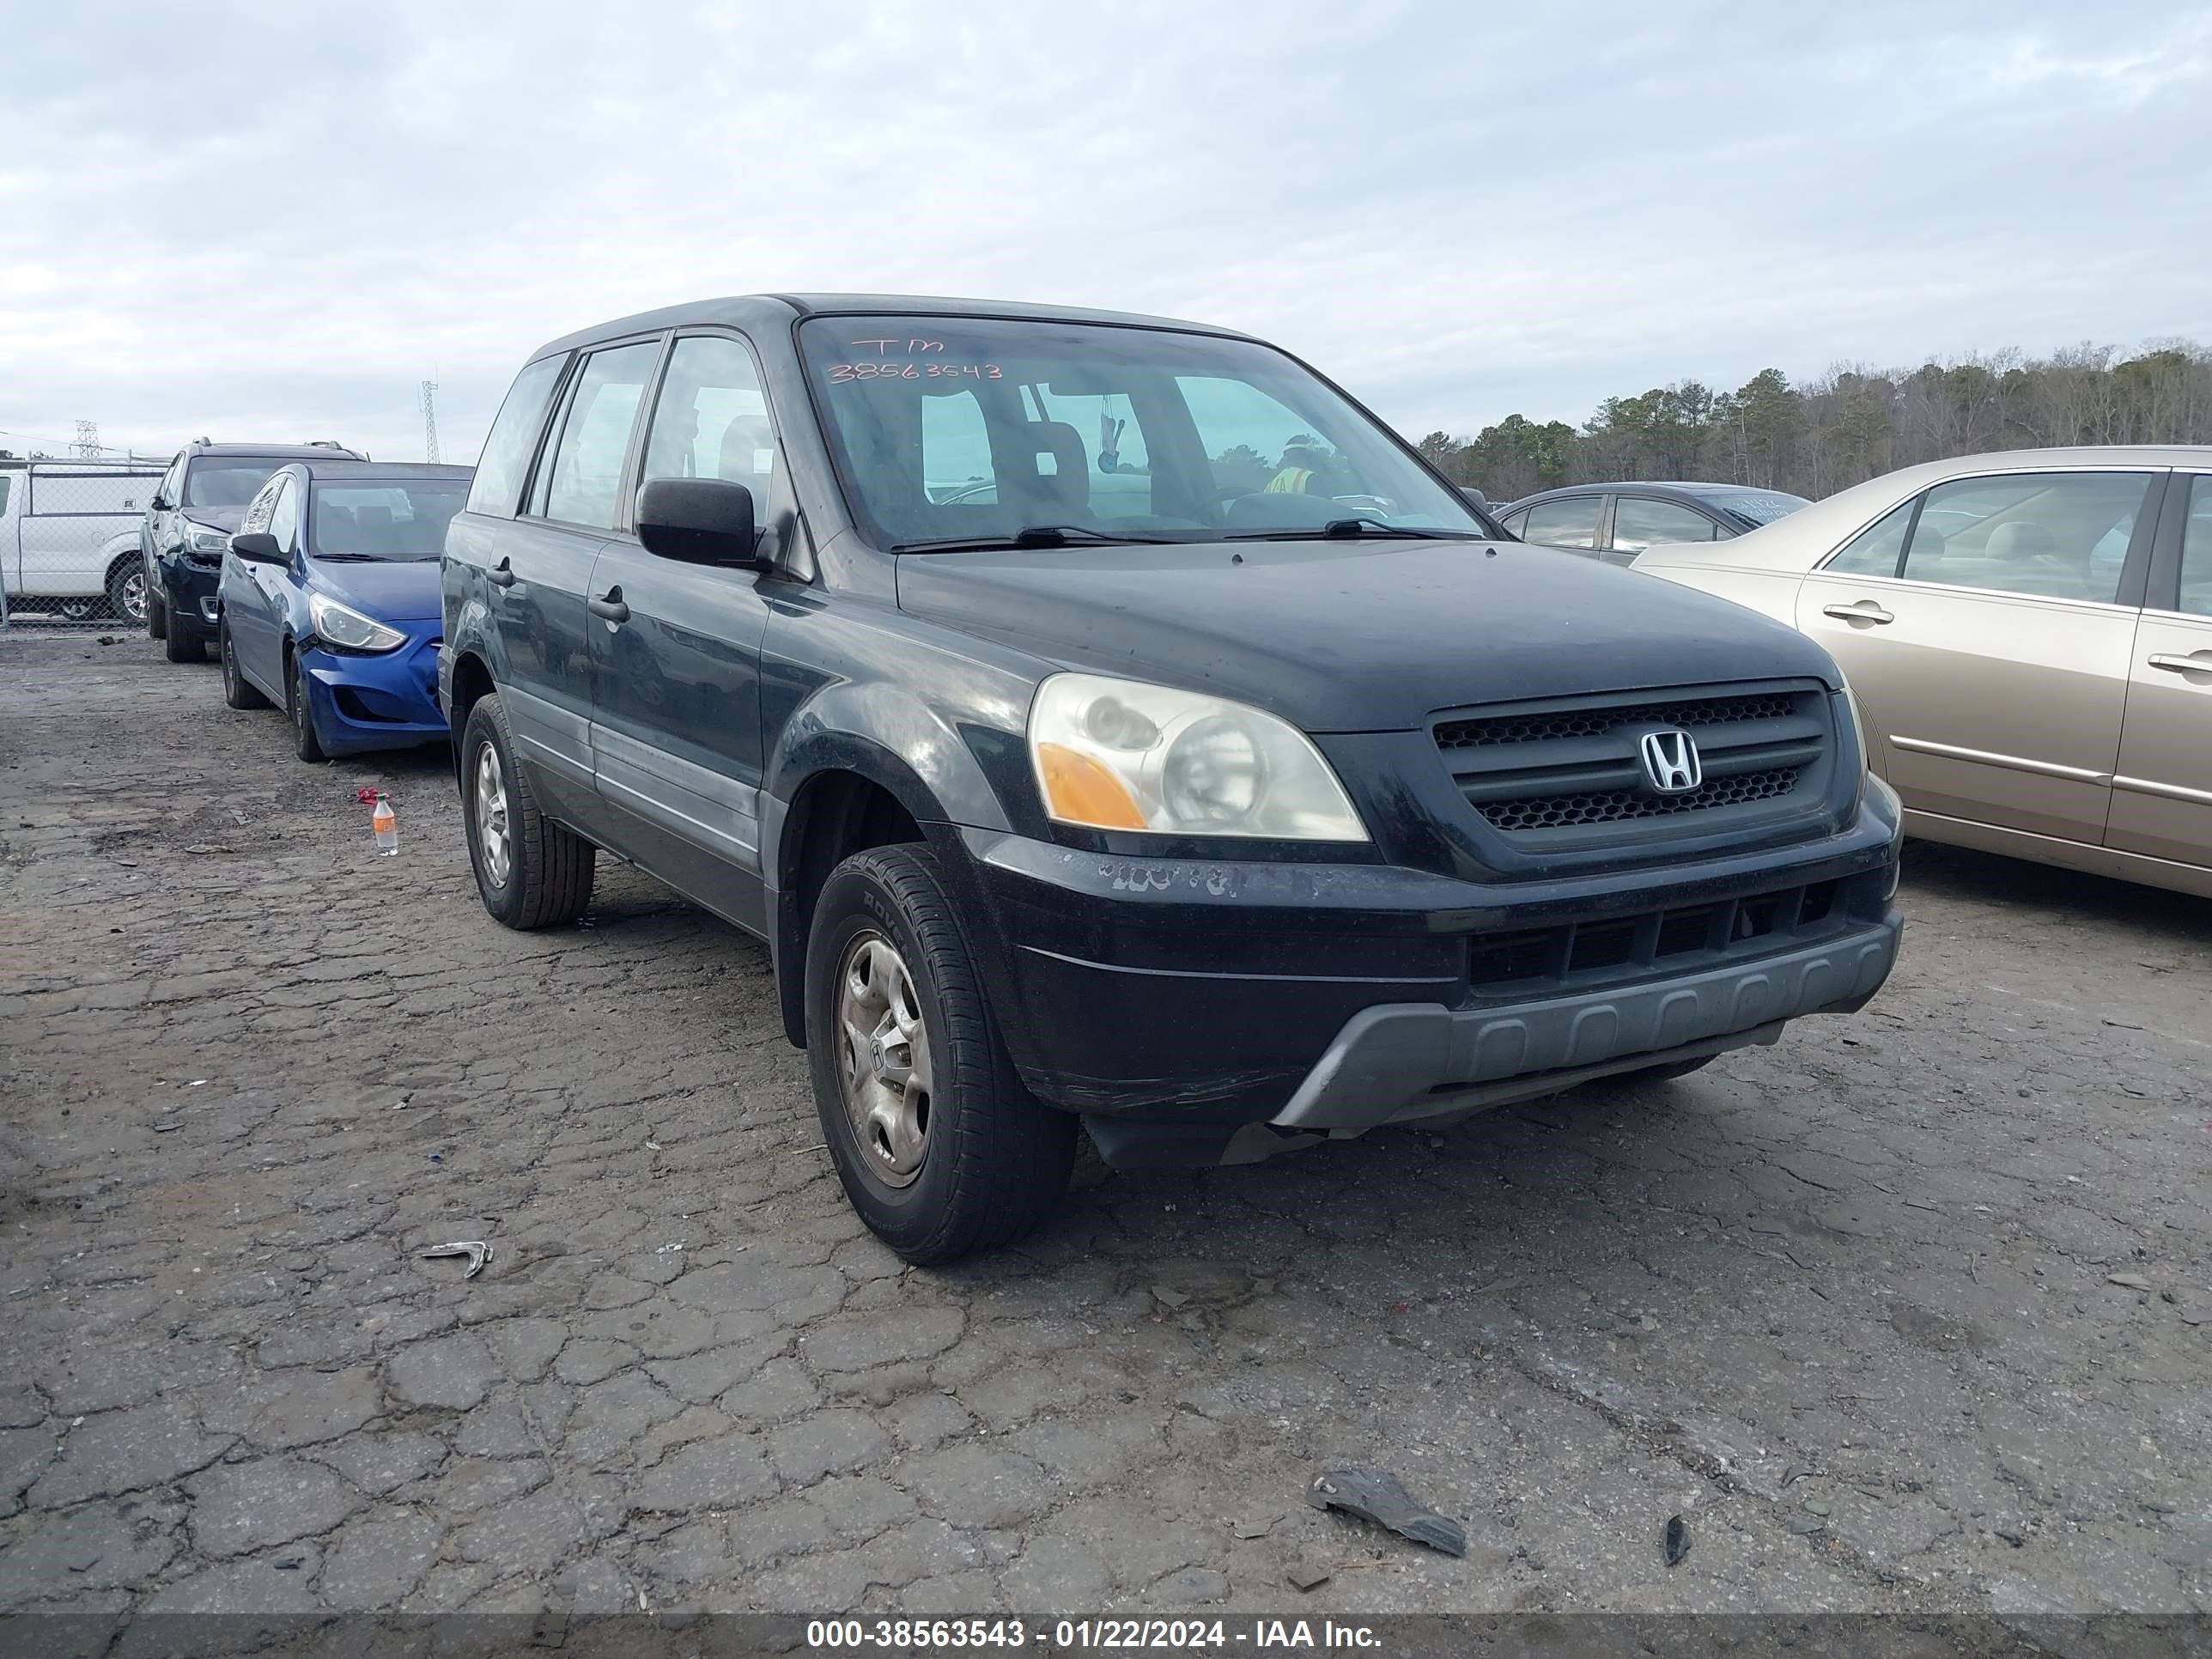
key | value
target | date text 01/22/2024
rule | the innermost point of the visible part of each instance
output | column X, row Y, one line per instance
column 1080, row 1635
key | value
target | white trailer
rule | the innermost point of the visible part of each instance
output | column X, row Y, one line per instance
column 70, row 537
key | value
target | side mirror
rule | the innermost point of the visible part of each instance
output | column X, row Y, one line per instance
column 161, row 503
column 1473, row 494
column 700, row 521
column 258, row 547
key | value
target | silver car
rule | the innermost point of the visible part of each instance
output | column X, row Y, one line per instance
column 2029, row 637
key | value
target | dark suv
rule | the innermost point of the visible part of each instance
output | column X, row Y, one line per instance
column 189, row 523
column 1206, row 777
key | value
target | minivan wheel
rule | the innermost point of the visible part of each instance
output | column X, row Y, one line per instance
column 531, row 872
column 126, row 589
column 238, row 692
column 940, row 1148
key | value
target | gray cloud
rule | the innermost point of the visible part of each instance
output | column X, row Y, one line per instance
column 247, row 222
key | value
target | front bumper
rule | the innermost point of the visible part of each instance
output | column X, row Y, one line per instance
column 388, row 700
column 189, row 589
column 1190, row 1011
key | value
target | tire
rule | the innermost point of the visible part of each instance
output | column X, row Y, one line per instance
column 533, row 873
column 128, row 596
column 305, row 743
column 157, row 615
column 238, row 691
column 178, row 642
column 993, row 1161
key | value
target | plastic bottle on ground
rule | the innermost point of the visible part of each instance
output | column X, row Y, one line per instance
column 386, row 827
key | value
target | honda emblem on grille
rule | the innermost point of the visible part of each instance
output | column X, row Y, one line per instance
column 1670, row 761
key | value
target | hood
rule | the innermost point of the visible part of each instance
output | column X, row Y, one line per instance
column 393, row 592
column 1355, row 636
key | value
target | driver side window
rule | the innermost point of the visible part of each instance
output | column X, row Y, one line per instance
column 285, row 516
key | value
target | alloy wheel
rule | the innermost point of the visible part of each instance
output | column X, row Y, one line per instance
column 492, row 830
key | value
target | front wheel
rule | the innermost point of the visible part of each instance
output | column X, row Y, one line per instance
column 238, row 691
column 157, row 617
column 305, row 743
column 178, row 642
column 940, row 1148
column 531, row 872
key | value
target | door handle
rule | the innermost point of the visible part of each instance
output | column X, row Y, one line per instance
column 500, row 576
column 609, row 605
column 1864, row 610
column 2198, row 663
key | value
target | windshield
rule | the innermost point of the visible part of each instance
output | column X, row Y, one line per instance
column 402, row 522
column 951, row 429
column 225, row 483
column 1758, row 506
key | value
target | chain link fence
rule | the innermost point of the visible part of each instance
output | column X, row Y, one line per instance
column 70, row 544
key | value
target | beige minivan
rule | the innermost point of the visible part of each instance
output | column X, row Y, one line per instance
column 2029, row 638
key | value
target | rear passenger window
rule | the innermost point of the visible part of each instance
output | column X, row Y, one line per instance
column 1640, row 522
column 2197, row 551
column 1570, row 523
column 585, row 478
column 498, row 484
column 1879, row 548
column 2051, row 535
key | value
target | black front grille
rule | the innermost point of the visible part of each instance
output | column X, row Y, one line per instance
column 1571, row 773
column 1543, row 960
column 1611, row 805
column 1691, row 715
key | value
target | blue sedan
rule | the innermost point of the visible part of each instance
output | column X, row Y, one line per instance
column 328, row 605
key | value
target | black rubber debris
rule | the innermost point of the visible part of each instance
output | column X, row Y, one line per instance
column 1678, row 1540
column 1374, row 1496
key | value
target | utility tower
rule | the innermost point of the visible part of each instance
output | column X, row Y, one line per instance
column 430, row 421
column 87, row 440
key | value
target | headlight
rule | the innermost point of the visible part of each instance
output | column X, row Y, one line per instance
column 1123, row 754
column 206, row 539
column 349, row 629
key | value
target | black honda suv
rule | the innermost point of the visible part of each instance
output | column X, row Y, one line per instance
column 1106, row 719
column 188, row 526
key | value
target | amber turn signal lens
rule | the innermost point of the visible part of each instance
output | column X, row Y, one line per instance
column 1078, row 790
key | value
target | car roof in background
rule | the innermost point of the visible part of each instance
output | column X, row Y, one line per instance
column 1663, row 490
column 330, row 471
column 781, row 310
column 268, row 452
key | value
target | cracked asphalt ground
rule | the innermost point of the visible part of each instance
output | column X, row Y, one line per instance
column 1909, row 1312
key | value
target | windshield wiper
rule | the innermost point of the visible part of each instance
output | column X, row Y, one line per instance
column 1345, row 530
column 1036, row 535
column 345, row 558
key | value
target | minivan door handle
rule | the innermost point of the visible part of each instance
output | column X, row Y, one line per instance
column 609, row 605
column 500, row 574
column 1864, row 610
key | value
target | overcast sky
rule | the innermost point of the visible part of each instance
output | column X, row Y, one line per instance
column 226, row 220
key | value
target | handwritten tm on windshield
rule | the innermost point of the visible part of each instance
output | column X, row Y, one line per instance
column 888, row 358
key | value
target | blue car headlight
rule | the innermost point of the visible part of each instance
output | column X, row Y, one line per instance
column 348, row 629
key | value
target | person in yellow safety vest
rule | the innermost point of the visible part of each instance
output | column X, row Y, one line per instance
column 1301, row 461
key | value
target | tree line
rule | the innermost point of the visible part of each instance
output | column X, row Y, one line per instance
column 1814, row 437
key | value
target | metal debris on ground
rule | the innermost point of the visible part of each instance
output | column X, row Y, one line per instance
column 1678, row 1540
column 1372, row 1495
column 476, row 1249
